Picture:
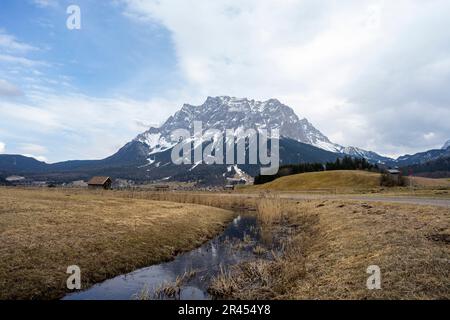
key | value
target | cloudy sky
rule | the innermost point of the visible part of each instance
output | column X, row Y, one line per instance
column 373, row 74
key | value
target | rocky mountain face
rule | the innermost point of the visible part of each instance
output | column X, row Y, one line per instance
column 422, row 157
column 436, row 168
column 446, row 145
column 432, row 163
column 369, row 155
column 148, row 156
column 230, row 113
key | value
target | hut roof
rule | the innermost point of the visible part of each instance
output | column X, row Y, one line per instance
column 98, row 181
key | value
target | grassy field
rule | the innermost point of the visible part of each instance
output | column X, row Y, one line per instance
column 328, row 243
column 428, row 182
column 44, row 231
column 324, row 180
column 352, row 181
column 331, row 244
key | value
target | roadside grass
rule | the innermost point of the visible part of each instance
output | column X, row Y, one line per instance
column 326, row 253
column 351, row 182
column 327, row 257
column 428, row 182
column 166, row 290
column 43, row 231
column 394, row 237
column 326, row 180
column 269, row 209
column 227, row 201
column 172, row 290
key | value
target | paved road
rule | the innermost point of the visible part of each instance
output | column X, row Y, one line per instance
column 391, row 199
column 371, row 198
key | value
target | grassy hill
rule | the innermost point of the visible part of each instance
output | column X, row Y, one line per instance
column 429, row 182
column 105, row 233
column 324, row 180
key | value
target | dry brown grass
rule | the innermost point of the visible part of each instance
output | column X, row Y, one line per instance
column 44, row 231
column 172, row 290
column 269, row 209
column 219, row 200
column 327, row 257
column 259, row 250
column 341, row 180
column 351, row 182
column 428, row 182
column 394, row 237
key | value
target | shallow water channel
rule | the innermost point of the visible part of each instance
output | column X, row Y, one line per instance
column 236, row 244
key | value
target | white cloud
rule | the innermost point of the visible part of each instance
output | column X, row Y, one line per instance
column 20, row 114
column 429, row 135
column 10, row 43
column 346, row 66
column 8, row 89
column 32, row 148
column 13, row 53
column 39, row 158
column 45, row 3
column 2, row 147
column 7, row 58
column 79, row 126
column 369, row 73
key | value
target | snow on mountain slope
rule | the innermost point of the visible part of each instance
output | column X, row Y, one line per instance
column 361, row 153
column 232, row 113
column 241, row 113
column 155, row 142
column 446, row 145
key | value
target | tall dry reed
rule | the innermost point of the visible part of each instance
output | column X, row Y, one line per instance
column 269, row 209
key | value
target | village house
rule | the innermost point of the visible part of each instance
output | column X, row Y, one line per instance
column 100, row 183
column 233, row 182
column 394, row 174
column 162, row 187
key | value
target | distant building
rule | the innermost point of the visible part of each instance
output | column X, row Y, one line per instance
column 161, row 187
column 233, row 182
column 100, row 183
column 15, row 178
column 236, row 181
column 122, row 184
column 395, row 174
column 78, row 184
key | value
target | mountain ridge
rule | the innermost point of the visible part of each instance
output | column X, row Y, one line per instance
column 148, row 155
column 446, row 145
column 223, row 112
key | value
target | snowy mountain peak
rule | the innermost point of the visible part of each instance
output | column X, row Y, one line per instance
column 234, row 104
column 224, row 112
column 361, row 153
column 446, row 145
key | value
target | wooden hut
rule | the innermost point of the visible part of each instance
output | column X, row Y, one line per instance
column 100, row 183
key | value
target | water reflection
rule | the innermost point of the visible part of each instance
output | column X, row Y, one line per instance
column 234, row 245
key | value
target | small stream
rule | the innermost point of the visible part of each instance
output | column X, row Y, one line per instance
column 236, row 244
